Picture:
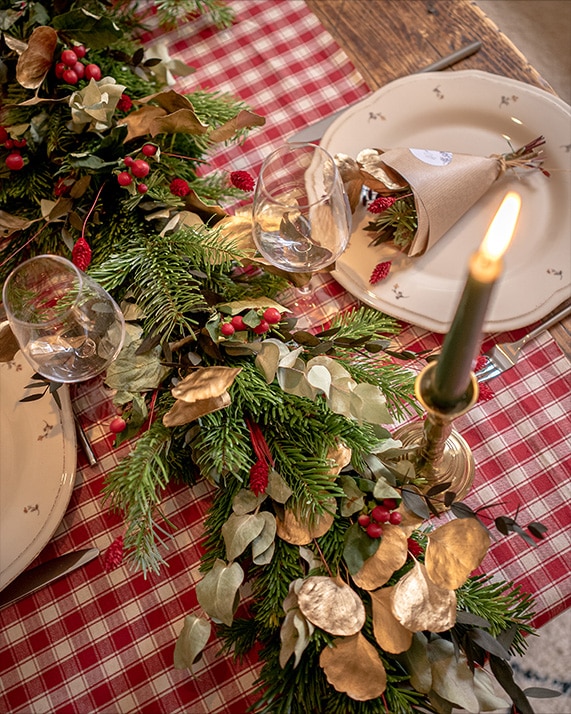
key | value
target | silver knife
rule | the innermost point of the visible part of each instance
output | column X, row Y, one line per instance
column 32, row 580
column 314, row 132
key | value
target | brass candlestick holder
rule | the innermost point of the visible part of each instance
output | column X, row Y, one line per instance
column 443, row 456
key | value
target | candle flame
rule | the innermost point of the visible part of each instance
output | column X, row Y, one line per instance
column 502, row 227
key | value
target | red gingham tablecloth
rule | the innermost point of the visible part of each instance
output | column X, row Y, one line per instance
column 99, row 641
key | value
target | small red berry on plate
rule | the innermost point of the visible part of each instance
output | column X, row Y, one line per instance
column 118, row 424
column 390, row 503
column 149, row 149
column 261, row 328
column 238, row 323
column 140, row 168
column 93, row 71
column 395, row 518
column 374, row 530
column 14, row 161
column 68, row 57
column 69, row 76
column 142, row 188
column 124, row 178
column 80, row 51
column 227, row 329
column 364, row 520
column 380, row 514
column 272, row 315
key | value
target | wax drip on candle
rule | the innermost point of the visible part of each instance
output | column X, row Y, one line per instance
column 462, row 343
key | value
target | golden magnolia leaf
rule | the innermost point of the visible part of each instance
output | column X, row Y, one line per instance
column 389, row 633
column 169, row 100
column 183, row 413
column 8, row 344
column 140, row 122
column 419, row 604
column 353, row 666
column 388, row 558
column 183, row 121
column 331, row 605
column 37, row 59
column 205, row 383
column 239, row 230
column 454, row 550
column 194, row 203
column 377, row 175
column 243, row 120
column 297, row 531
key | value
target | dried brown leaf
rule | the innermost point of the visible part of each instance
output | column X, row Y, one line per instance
column 205, row 383
column 296, row 530
column 331, row 605
column 243, row 120
column 8, row 344
column 388, row 558
column 183, row 121
column 389, row 632
column 140, row 122
column 169, row 100
column 10, row 223
column 419, row 604
column 353, row 666
column 454, row 550
column 37, row 59
column 183, row 413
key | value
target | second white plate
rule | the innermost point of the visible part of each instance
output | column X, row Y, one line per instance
column 474, row 113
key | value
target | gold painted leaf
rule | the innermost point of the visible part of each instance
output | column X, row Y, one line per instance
column 389, row 633
column 217, row 592
column 191, row 641
column 341, row 455
column 243, row 120
column 454, row 550
column 183, row 413
column 388, row 558
column 205, row 383
column 353, row 666
column 37, row 59
column 419, row 604
column 297, row 531
column 331, row 605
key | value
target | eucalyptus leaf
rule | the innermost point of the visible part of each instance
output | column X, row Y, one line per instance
column 246, row 501
column 358, row 547
column 451, row 677
column 266, row 537
column 191, row 641
column 277, row 488
column 354, row 500
column 383, row 490
column 488, row 643
column 239, row 531
column 217, row 592
column 415, row 503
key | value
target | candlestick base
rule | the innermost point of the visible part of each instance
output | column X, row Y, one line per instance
column 443, row 456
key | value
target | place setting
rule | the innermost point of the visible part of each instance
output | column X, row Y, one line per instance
column 300, row 445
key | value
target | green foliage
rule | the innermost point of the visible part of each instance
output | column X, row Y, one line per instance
column 397, row 223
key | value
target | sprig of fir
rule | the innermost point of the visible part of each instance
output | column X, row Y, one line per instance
column 397, row 223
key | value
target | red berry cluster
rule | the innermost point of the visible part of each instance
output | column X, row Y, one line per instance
column 70, row 69
column 270, row 316
column 372, row 522
column 137, row 168
column 13, row 160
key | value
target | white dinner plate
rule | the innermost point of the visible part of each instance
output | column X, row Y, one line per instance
column 470, row 112
column 37, row 467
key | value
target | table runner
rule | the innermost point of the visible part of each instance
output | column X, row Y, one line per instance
column 101, row 641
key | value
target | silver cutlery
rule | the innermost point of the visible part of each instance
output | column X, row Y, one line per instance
column 36, row 578
column 505, row 355
column 314, row 132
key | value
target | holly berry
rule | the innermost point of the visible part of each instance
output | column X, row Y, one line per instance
column 79, row 69
column 60, row 69
column 68, row 57
column 395, row 518
column 14, row 161
column 142, row 188
column 118, row 424
column 149, row 149
column 390, row 503
column 3, row 134
column 364, row 520
column 380, row 514
column 140, row 168
column 261, row 328
column 93, row 71
column 374, row 530
column 227, row 329
column 80, row 51
column 69, row 76
column 20, row 143
column 238, row 323
column 9, row 143
column 272, row 315
column 124, row 178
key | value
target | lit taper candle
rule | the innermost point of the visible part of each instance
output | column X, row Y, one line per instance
column 461, row 345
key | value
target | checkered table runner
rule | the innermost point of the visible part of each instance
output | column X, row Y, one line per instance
column 103, row 641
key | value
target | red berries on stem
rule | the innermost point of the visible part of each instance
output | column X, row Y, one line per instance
column 93, row 71
column 14, row 161
column 380, row 514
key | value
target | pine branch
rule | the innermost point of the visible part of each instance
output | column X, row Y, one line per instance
column 170, row 12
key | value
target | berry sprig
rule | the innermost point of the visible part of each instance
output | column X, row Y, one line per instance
column 14, row 159
column 70, row 69
column 266, row 320
column 372, row 521
column 137, row 169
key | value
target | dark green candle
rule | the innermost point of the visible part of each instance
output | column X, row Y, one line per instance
column 460, row 349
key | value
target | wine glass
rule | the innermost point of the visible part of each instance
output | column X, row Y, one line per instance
column 301, row 219
column 68, row 328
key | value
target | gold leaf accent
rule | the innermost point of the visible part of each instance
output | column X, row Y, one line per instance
column 243, row 120
column 454, row 550
column 389, row 557
column 205, row 383
column 37, row 59
column 331, row 605
column 389, row 632
column 296, row 530
column 353, row 666
column 183, row 413
column 341, row 455
column 419, row 604
column 8, row 344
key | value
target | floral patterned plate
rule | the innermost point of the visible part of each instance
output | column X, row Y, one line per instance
column 37, row 467
column 476, row 113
